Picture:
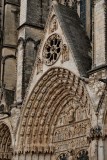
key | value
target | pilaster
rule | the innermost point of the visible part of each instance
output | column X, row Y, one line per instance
column 30, row 33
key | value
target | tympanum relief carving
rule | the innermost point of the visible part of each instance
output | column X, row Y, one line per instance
column 72, row 128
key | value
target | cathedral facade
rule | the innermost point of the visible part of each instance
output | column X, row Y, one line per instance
column 53, row 85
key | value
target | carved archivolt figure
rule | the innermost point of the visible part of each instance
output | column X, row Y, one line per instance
column 65, row 53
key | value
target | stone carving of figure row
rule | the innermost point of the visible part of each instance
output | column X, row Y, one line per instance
column 74, row 144
column 72, row 131
column 72, row 115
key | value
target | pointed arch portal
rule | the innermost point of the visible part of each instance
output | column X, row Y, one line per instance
column 57, row 111
column 5, row 143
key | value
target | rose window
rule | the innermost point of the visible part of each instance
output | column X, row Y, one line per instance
column 52, row 49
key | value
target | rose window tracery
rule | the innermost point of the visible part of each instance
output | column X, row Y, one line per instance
column 52, row 49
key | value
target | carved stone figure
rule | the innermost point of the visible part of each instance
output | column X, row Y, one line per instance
column 39, row 65
column 54, row 25
column 83, row 155
column 71, row 115
column 65, row 53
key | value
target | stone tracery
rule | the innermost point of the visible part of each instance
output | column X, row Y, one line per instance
column 52, row 49
column 57, row 89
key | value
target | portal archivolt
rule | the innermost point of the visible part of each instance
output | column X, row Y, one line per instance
column 57, row 92
column 5, row 143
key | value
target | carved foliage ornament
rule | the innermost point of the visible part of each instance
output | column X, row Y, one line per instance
column 52, row 49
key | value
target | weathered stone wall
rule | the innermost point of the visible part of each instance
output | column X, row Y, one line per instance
column 31, row 36
column 10, row 73
column 11, row 24
column 29, row 59
column 34, row 12
column 23, row 10
column 39, row 12
column 83, row 12
column 89, row 18
column 99, row 33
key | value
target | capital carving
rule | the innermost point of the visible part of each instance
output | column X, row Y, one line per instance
column 95, row 133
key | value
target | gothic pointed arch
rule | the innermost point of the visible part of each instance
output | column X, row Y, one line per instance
column 5, row 143
column 57, row 111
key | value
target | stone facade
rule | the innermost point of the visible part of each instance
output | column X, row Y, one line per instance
column 53, row 86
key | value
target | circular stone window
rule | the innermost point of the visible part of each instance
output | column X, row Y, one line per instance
column 52, row 49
